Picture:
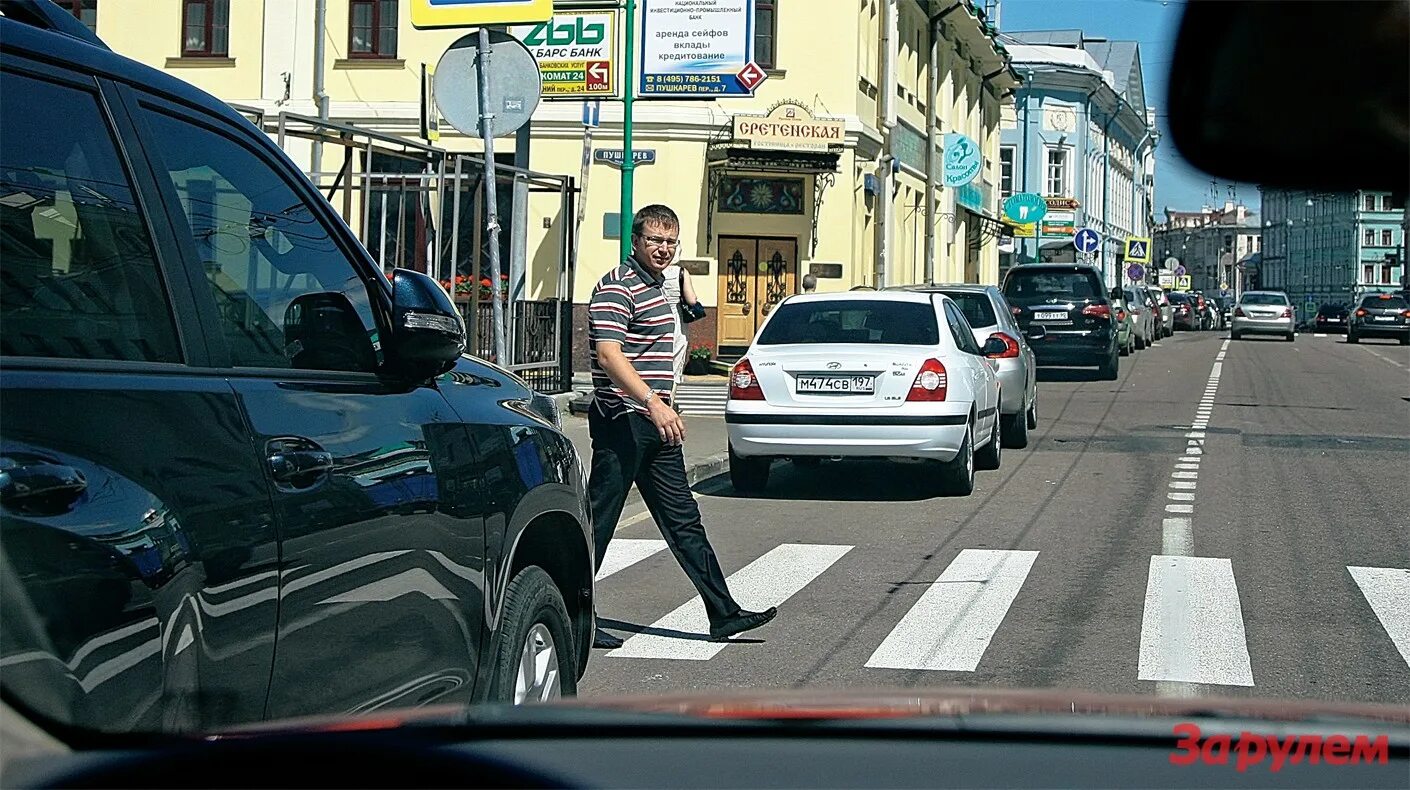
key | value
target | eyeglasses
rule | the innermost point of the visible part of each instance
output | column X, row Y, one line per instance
column 662, row 241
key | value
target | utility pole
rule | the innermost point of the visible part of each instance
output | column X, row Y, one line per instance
column 628, row 158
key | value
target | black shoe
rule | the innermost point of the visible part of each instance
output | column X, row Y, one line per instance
column 739, row 623
column 602, row 639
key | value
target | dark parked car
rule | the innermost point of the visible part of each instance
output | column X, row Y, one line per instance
column 1380, row 315
column 243, row 474
column 1187, row 314
column 1069, row 303
column 1332, row 318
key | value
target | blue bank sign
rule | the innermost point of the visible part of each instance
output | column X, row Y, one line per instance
column 962, row 160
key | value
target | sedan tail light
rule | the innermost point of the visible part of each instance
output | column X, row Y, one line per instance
column 1239, row 311
column 1360, row 312
column 1120, row 314
column 1405, row 313
column 1011, row 348
column 1097, row 311
column 931, row 382
column 1016, row 310
column 1287, row 312
column 743, row 384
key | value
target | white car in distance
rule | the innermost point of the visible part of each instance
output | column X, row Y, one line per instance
column 865, row 374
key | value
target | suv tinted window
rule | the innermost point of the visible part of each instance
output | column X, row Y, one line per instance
column 1384, row 302
column 288, row 298
column 977, row 308
column 78, row 277
column 852, row 321
column 1045, row 283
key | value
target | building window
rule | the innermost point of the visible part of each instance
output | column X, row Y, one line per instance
column 372, row 29
column 85, row 10
column 1006, row 171
column 1386, row 238
column 1368, row 273
column 205, row 28
column 1385, row 274
column 1057, row 173
column 765, row 31
column 1369, row 239
column 1370, row 203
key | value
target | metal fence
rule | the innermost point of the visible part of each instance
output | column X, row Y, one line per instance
column 421, row 207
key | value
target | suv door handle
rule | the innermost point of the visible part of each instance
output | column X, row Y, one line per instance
column 52, row 488
column 297, row 462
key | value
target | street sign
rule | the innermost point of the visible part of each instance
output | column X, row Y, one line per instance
column 1087, row 240
column 963, row 159
column 615, row 157
column 513, row 78
column 1182, row 282
column 1179, row 270
column 477, row 13
column 1058, row 223
column 430, row 117
column 592, row 113
column 697, row 48
column 1223, row 286
column 576, row 53
column 1136, row 272
column 1138, row 249
column 1025, row 207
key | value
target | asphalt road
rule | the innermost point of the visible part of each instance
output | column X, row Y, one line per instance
column 1224, row 519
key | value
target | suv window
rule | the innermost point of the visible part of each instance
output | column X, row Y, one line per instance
column 286, row 295
column 1071, row 284
column 852, row 321
column 977, row 308
column 78, row 275
column 963, row 334
column 1384, row 302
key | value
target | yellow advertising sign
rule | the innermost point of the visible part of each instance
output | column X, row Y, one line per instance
column 476, row 13
column 1027, row 230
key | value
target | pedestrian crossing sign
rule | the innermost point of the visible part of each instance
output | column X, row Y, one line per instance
column 1138, row 249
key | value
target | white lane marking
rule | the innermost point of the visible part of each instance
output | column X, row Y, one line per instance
column 1381, row 357
column 626, row 552
column 1179, row 508
column 1225, row 347
column 1195, row 435
column 951, row 625
column 1192, row 629
column 1387, row 590
column 1180, row 496
column 1185, row 475
column 1177, row 536
column 1194, row 449
column 1194, row 465
column 767, row 581
column 1189, row 484
column 1195, row 457
column 1318, row 334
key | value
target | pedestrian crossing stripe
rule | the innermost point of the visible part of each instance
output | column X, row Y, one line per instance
column 701, row 400
column 1192, row 623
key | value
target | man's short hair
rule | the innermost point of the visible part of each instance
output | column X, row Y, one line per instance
column 657, row 213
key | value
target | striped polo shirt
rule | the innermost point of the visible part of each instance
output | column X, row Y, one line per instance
column 629, row 307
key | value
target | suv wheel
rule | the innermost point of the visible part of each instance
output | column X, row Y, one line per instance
column 992, row 455
column 957, row 475
column 1108, row 369
column 533, row 655
column 748, row 475
column 1351, row 337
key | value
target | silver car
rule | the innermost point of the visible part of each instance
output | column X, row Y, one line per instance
column 990, row 315
column 1265, row 313
column 1167, row 312
column 1141, row 311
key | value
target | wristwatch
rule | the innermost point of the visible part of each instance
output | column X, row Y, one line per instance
column 650, row 396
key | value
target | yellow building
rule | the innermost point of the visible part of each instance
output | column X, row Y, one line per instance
column 822, row 171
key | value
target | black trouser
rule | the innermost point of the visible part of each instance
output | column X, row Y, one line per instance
column 628, row 449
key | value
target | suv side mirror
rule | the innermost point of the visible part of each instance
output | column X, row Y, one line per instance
column 427, row 332
column 1037, row 332
column 1116, row 293
column 994, row 346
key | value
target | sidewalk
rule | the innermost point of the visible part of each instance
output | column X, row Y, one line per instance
column 705, row 446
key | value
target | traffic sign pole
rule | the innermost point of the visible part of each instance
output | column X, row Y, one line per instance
column 628, row 160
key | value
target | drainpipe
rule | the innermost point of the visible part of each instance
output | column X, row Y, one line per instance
column 1023, row 155
column 886, row 162
column 1106, row 188
column 932, row 135
column 320, row 27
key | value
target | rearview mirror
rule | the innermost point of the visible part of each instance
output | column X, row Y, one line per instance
column 994, row 346
column 427, row 333
column 1037, row 332
column 1237, row 87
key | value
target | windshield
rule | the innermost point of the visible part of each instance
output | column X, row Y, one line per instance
column 852, row 321
column 1265, row 299
column 874, row 387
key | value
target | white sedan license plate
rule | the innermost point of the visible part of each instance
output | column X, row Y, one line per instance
column 1385, row 318
column 841, row 385
column 1060, row 315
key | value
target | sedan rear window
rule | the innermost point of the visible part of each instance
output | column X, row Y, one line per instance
column 852, row 321
column 1076, row 285
column 1274, row 299
column 1386, row 302
column 977, row 308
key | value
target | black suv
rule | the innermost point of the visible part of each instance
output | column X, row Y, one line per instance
column 1380, row 315
column 243, row 474
column 1063, row 309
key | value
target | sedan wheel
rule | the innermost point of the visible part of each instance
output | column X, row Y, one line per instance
column 957, row 475
column 992, row 455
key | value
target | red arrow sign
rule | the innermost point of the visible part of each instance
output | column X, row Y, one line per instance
column 751, row 76
column 597, row 74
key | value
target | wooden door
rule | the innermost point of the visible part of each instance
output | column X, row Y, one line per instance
column 737, row 301
column 776, row 275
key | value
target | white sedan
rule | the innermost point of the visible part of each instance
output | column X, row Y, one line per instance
column 865, row 374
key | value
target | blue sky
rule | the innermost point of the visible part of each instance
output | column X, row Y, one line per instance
column 1155, row 24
